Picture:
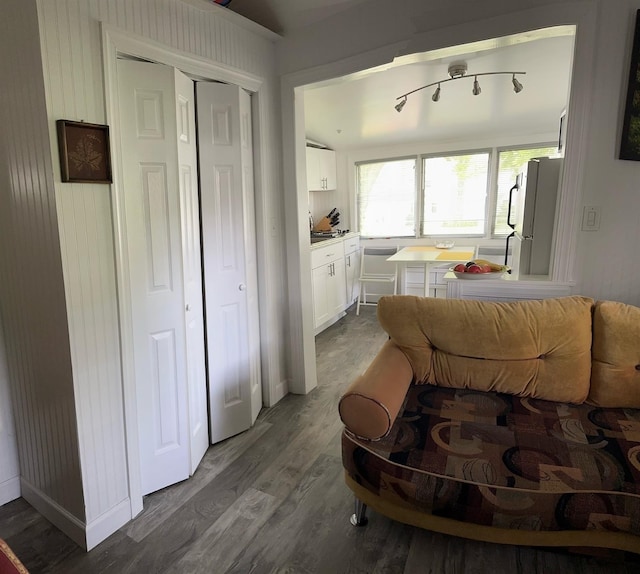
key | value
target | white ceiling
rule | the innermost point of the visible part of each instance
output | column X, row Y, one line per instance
column 283, row 16
column 358, row 112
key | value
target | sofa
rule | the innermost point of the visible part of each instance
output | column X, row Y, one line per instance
column 514, row 423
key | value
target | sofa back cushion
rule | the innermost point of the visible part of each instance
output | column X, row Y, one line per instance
column 615, row 372
column 539, row 349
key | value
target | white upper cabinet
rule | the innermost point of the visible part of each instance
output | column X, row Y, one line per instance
column 321, row 169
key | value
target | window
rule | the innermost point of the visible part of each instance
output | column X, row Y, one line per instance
column 455, row 193
column 464, row 194
column 386, row 198
column 511, row 162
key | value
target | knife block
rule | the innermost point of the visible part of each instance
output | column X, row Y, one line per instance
column 322, row 225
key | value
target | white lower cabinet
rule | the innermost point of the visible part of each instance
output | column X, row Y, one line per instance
column 352, row 267
column 334, row 274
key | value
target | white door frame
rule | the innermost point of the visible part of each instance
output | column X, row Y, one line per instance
column 582, row 14
column 114, row 42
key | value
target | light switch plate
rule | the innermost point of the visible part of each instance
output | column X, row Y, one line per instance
column 590, row 218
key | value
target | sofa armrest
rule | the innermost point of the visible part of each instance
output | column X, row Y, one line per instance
column 371, row 404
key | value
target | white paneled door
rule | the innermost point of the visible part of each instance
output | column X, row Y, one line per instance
column 158, row 145
column 230, row 271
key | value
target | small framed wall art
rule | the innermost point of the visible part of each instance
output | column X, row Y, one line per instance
column 630, row 141
column 85, row 154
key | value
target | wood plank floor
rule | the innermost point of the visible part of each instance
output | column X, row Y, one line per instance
column 272, row 500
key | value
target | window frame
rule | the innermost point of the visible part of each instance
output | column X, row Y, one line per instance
column 419, row 187
column 422, row 158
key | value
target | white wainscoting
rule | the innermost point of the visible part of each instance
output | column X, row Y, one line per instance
column 74, row 87
column 32, row 294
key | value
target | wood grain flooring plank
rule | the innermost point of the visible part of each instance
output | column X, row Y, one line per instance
column 218, row 547
column 299, row 523
column 160, row 505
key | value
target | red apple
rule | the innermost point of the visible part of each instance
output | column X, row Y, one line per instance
column 460, row 268
column 474, row 269
column 486, row 268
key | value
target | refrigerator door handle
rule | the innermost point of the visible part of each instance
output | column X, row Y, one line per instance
column 506, row 249
column 516, row 187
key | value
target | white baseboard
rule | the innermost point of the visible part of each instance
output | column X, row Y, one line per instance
column 73, row 527
column 105, row 525
column 9, row 490
column 281, row 390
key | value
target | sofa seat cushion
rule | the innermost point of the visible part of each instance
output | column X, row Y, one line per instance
column 500, row 460
column 540, row 349
column 615, row 372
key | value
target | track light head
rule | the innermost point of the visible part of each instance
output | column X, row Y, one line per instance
column 401, row 104
column 517, row 86
column 436, row 94
column 476, row 87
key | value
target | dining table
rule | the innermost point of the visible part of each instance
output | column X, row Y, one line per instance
column 429, row 255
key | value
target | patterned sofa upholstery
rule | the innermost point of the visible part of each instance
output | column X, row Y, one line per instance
column 515, row 423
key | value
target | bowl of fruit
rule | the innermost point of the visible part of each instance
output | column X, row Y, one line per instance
column 479, row 269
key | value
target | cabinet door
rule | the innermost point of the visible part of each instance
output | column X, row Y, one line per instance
column 352, row 270
column 319, row 280
column 321, row 169
column 314, row 181
column 327, row 160
column 336, row 288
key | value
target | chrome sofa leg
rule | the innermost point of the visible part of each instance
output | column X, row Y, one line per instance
column 359, row 517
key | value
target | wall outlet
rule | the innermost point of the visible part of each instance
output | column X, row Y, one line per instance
column 590, row 218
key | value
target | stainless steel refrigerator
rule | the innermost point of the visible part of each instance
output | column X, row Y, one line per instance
column 532, row 214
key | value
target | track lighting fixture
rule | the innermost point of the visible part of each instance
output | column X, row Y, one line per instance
column 476, row 87
column 517, row 86
column 457, row 71
column 401, row 104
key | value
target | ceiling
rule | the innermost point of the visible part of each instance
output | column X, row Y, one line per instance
column 283, row 16
column 358, row 111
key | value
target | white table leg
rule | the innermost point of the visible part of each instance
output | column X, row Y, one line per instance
column 426, row 278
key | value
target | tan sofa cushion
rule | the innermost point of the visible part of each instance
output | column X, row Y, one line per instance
column 539, row 349
column 615, row 372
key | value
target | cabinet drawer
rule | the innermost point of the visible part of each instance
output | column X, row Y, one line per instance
column 351, row 245
column 327, row 254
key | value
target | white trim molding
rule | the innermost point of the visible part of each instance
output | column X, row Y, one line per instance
column 9, row 490
column 117, row 42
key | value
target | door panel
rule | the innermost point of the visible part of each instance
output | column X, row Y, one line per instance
column 228, row 239
column 160, row 195
column 192, row 268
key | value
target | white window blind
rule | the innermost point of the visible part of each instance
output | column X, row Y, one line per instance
column 386, row 198
column 455, row 192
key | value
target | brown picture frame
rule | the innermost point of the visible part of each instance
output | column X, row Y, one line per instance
column 630, row 140
column 85, row 152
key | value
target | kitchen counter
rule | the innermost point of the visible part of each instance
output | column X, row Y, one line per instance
column 317, row 242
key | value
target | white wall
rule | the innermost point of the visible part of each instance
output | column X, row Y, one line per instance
column 9, row 468
column 58, row 263
column 603, row 258
column 31, row 285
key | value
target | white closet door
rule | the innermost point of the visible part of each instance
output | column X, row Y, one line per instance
column 158, row 190
column 230, row 275
column 192, row 267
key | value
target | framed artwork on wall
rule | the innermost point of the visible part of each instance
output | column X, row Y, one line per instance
column 630, row 141
column 85, row 154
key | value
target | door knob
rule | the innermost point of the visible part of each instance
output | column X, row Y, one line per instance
column 242, row 287
column 188, row 307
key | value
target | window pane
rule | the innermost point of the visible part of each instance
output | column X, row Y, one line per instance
column 455, row 191
column 510, row 164
column 386, row 198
